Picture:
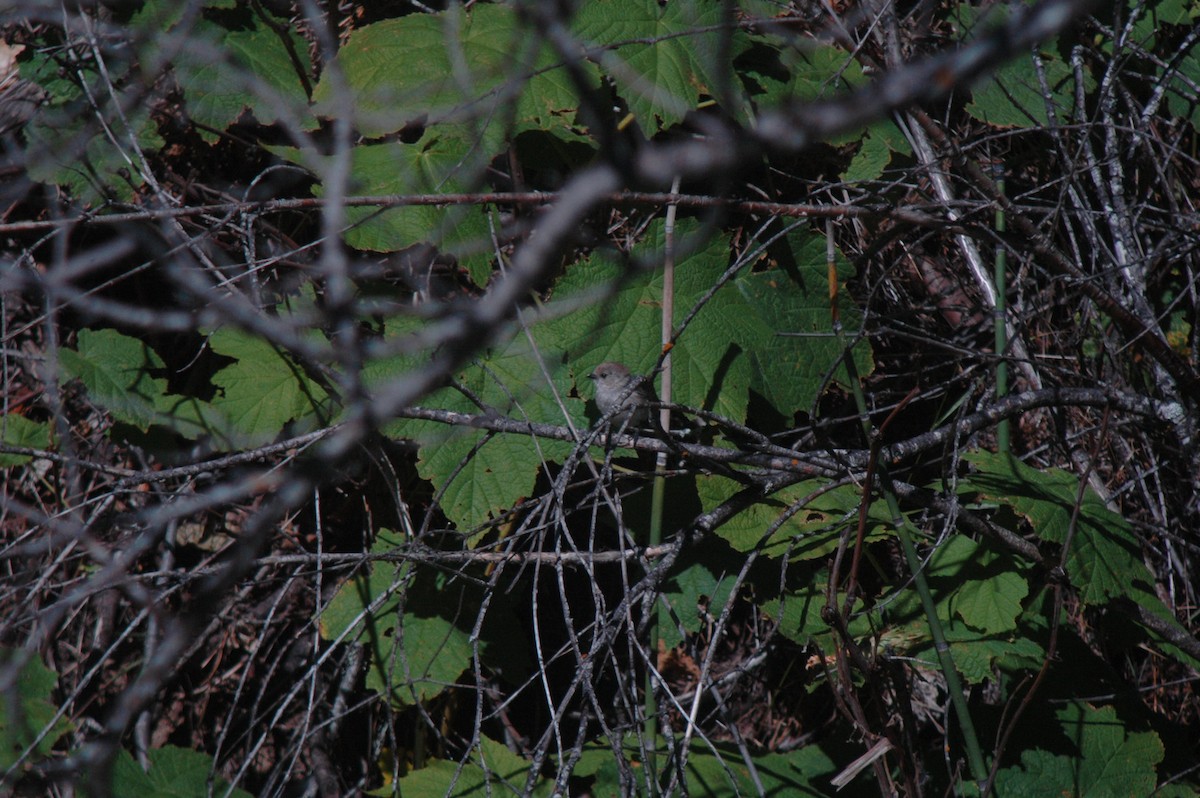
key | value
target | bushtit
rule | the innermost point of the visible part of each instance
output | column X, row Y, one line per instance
column 632, row 402
column 617, row 388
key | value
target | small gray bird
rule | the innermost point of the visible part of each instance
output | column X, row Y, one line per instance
column 617, row 389
column 633, row 403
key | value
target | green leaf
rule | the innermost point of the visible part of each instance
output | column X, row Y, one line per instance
column 661, row 58
column 1177, row 790
column 880, row 143
column 479, row 473
column 575, row 332
column 792, row 301
column 225, row 73
column 989, row 593
column 816, row 72
column 719, row 771
column 1181, row 97
column 478, row 479
column 446, row 159
column 1112, row 762
column 88, row 139
column 491, row 769
column 686, row 591
column 977, row 657
column 174, row 773
column 1105, row 556
column 44, row 67
column 1157, row 22
column 550, row 102
column 414, row 656
column 157, row 16
column 804, row 772
column 979, row 595
column 27, row 711
column 400, row 71
column 264, row 390
column 711, row 367
column 498, row 473
column 478, row 66
column 812, row 532
column 115, row 370
column 1013, row 96
column 193, row 418
column 992, row 604
column 16, row 430
column 976, row 654
column 799, row 613
column 66, row 148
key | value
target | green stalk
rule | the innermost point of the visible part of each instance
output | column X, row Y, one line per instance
column 1000, row 314
column 657, row 498
column 945, row 659
column 652, row 632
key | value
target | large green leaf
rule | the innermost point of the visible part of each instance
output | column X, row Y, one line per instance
column 1181, row 96
column 798, row 612
column 446, row 159
column 174, row 773
column 45, row 68
column 1105, row 557
column 257, row 67
column 416, row 628
column 795, row 362
column 1157, row 23
column 711, row 367
column 585, row 324
column 979, row 595
column 1104, row 561
column 27, row 713
column 115, row 370
column 16, row 430
column 264, row 390
column 1111, row 762
column 988, row 591
column 686, row 590
column 491, row 769
column 815, row 72
column 88, row 138
column 977, row 654
column 720, row 771
column 812, row 531
column 458, row 76
column 1013, row 96
column 482, row 474
column 880, row 143
column 480, row 66
column 661, row 57
column 479, row 473
column 67, row 147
